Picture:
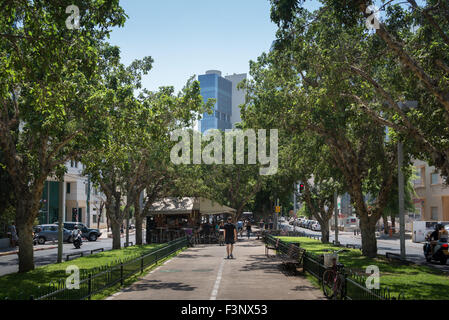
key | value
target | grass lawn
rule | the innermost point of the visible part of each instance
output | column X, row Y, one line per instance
column 415, row 281
column 22, row 286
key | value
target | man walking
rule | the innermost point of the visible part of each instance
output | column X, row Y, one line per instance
column 230, row 235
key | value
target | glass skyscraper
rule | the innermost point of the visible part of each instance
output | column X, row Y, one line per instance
column 214, row 86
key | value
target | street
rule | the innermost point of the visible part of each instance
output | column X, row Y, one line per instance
column 414, row 251
column 9, row 263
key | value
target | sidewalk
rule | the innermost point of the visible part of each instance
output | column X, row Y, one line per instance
column 202, row 273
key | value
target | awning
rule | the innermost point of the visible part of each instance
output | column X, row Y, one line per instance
column 187, row 205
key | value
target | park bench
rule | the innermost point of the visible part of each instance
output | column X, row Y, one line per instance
column 272, row 247
column 292, row 258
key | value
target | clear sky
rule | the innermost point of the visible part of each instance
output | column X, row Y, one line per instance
column 188, row 37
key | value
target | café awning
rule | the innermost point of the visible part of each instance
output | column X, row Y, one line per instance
column 187, row 205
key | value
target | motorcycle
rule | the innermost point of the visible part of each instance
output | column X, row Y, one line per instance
column 440, row 251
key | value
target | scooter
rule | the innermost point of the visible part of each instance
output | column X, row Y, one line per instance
column 440, row 251
column 77, row 242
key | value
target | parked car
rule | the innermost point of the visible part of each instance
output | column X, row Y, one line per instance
column 49, row 232
column 316, row 227
column 88, row 233
column 309, row 224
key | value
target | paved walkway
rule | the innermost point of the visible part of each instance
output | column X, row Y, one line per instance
column 202, row 273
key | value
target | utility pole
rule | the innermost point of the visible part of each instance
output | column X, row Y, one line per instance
column 294, row 199
column 407, row 104
column 127, row 227
column 88, row 201
column 336, row 216
column 401, row 199
column 61, row 219
column 276, row 216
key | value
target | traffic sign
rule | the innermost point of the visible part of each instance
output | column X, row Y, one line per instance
column 278, row 209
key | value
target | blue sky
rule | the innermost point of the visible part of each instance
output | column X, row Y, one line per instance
column 188, row 37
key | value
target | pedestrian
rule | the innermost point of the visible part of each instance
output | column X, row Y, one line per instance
column 248, row 229
column 14, row 237
column 206, row 232
column 230, row 235
column 442, row 234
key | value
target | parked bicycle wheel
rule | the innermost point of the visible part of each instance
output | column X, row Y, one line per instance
column 333, row 285
column 339, row 289
column 328, row 283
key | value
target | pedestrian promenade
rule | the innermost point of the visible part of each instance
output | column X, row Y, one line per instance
column 202, row 273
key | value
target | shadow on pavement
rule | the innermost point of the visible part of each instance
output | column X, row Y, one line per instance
column 158, row 285
column 261, row 262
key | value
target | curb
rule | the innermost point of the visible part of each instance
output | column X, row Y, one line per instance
column 16, row 252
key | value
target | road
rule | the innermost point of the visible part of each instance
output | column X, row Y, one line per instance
column 9, row 263
column 414, row 251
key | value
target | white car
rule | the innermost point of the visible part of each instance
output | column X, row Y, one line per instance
column 316, row 227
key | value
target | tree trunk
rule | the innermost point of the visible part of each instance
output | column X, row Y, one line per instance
column 116, row 241
column 27, row 209
column 325, row 232
column 139, row 234
column 393, row 224
column 24, row 224
column 369, row 242
column 385, row 221
column 138, row 217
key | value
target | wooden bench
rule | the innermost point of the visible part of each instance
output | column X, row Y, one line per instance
column 293, row 258
column 272, row 247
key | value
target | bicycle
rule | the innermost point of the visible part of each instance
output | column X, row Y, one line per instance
column 333, row 279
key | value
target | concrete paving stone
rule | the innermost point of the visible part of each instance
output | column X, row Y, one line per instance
column 203, row 273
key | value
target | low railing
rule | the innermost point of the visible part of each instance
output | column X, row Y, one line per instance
column 355, row 285
column 99, row 279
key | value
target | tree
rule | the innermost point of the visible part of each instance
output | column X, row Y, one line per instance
column 392, row 207
column 411, row 62
column 302, row 87
column 49, row 96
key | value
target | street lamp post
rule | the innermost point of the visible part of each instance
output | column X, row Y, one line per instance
column 336, row 216
column 88, row 201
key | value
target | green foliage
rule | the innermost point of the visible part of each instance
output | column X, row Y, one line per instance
column 417, row 282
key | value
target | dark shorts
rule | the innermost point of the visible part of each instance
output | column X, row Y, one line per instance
column 229, row 241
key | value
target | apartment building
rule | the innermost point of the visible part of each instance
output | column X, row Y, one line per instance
column 72, row 195
column 432, row 197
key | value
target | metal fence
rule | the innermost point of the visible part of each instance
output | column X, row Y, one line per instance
column 99, row 279
column 354, row 285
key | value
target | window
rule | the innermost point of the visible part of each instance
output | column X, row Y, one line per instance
column 68, row 187
column 434, row 211
column 94, row 218
column 418, row 180
column 72, row 164
column 435, row 178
